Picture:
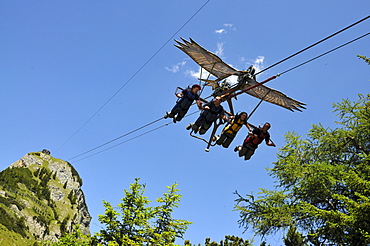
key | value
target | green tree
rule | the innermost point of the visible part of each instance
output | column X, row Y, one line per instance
column 228, row 241
column 366, row 59
column 74, row 238
column 294, row 238
column 139, row 224
column 323, row 182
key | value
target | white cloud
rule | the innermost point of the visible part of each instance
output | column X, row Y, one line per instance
column 176, row 68
column 220, row 49
column 258, row 63
column 230, row 26
column 233, row 79
column 223, row 30
column 220, row 31
column 197, row 74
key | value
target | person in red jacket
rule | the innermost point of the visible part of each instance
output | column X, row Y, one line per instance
column 254, row 138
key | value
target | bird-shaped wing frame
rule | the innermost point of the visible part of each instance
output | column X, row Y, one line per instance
column 274, row 96
column 207, row 60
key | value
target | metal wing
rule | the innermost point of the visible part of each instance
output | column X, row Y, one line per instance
column 274, row 96
column 207, row 60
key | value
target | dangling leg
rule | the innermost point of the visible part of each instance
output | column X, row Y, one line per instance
column 198, row 123
column 242, row 151
column 204, row 128
column 228, row 140
column 181, row 114
column 176, row 109
column 221, row 139
column 249, row 152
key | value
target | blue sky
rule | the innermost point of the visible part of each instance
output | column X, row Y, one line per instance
column 61, row 61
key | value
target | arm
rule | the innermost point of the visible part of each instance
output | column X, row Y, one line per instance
column 179, row 95
column 249, row 127
column 269, row 141
column 223, row 115
column 206, row 106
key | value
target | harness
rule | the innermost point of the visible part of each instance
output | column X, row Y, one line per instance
column 213, row 112
column 255, row 141
column 235, row 126
column 187, row 99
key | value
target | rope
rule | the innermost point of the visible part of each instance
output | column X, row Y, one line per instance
column 322, row 40
column 134, row 75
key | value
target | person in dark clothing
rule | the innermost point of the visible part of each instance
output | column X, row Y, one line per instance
column 211, row 112
column 230, row 131
column 252, row 141
column 187, row 97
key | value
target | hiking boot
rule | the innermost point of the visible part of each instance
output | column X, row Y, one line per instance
column 236, row 149
column 188, row 127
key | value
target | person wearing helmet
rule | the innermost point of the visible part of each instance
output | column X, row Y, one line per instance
column 252, row 141
column 211, row 112
column 187, row 97
column 230, row 131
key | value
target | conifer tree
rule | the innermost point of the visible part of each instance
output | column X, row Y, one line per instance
column 323, row 182
column 136, row 223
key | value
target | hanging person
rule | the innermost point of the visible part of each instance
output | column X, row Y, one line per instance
column 211, row 112
column 229, row 132
column 254, row 138
column 187, row 97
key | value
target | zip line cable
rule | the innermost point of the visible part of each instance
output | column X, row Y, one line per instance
column 134, row 75
column 308, row 47
column 154, row 129
column 338, row 47
column 124, row 135
column 122, row 142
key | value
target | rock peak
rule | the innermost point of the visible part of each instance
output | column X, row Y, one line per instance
column 43, row 194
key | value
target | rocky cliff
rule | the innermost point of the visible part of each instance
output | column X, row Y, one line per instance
column 40, row 199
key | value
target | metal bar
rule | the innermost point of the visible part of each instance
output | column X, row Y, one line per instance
column 253, row 86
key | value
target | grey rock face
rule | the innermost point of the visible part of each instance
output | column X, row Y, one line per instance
column 51, row 200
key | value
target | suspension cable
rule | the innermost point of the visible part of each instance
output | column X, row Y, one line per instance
column 124, row 135
column 205, row 82
column 255, row 108
column 338, row 47
column 134, row 75
column 322, row 40
column 128, row 140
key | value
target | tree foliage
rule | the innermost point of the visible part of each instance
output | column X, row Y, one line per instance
column 366, row 59
column 323, row 182
column 73, row 238
column 228, row 241
column 294, row 238
column 136, row 223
